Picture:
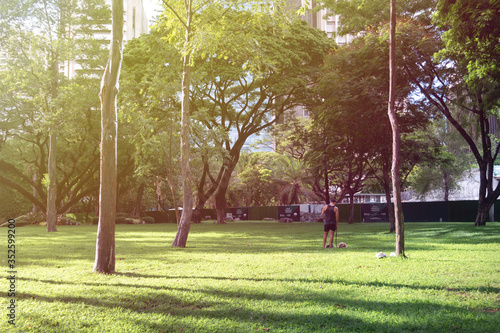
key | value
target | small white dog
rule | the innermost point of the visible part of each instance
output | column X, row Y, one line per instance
column 342, row 244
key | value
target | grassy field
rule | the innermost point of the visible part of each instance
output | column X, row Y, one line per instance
column 255, row 276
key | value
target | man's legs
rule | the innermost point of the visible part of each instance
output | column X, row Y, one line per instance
column 324, row 238
column 332, row 232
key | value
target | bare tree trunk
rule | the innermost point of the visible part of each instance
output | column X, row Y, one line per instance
column 159, row 195
column 174, row 200
column 483, row 205
column 387, row 191
column 446, row 181
column 35, row 209
column 327, row 187
column 396, row 139
column 351, row 208
column 105, row 244
column 483, row 212
column 220, row 193
column 137, row 211
column 187, row 194
column 220, row 206
column 160, row 206
column 51, row 191
column 202, row 196
column 88, row 208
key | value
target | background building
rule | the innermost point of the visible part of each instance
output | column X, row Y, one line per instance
column 135, row 23
column 323, row 20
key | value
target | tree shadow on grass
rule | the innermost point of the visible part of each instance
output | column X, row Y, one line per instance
column 343, row 282
column 337, row 311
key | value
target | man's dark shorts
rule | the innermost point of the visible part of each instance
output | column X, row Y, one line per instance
column 328, row 227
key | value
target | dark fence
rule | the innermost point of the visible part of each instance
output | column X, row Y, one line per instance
column 162, row 217
column 426, row 211
column 289, row 212
column 441, row 211
column 260, row 213
column 241, row 213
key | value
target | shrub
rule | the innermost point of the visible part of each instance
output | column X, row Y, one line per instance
column 30, row 218
column 95, row 220
column 120, row 220
column 129, row 221
column 13, row 204
column 71, row 216
column 83, row 218
column 160, row 217
column 125, row 215
column 148, row 219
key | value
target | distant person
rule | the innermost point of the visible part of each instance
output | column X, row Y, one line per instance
column 330, row 215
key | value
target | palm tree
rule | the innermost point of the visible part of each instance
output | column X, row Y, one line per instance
column 296, row 181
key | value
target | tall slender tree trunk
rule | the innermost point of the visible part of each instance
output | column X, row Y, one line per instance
column 327, row 185
column 174, row 200
column 390, row 207
column 137, row 210
column 351, row 208
column 446, row 184
column 51, row 191
column 35, row 209
column 159, row 194
column 396, row 139
column 187, row 194
column 52, row 163
column 105, row 244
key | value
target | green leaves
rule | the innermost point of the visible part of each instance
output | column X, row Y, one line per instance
column 474, row 32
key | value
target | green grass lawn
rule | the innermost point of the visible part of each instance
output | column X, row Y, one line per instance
column 255, row 276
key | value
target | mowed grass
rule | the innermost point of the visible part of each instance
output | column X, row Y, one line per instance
column 256, row 276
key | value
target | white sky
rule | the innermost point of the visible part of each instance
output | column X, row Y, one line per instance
column 150, row 6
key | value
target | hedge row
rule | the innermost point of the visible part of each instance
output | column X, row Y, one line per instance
column 125, row 220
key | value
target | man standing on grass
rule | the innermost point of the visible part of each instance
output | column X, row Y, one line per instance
column 330, row 215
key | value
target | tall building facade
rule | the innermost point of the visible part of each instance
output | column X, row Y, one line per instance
column 323, row 20
column 135, row 23
column 136, row 20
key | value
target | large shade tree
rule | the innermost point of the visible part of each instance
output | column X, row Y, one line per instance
column 149, row 105
column 198, row 28
column 472, row 42
column 270, row 178
column 22, row 23
column 463, row 87
column 453, row 63
column 45, row 101
column 245, row 93
column 219, row 32
column 351, row 137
